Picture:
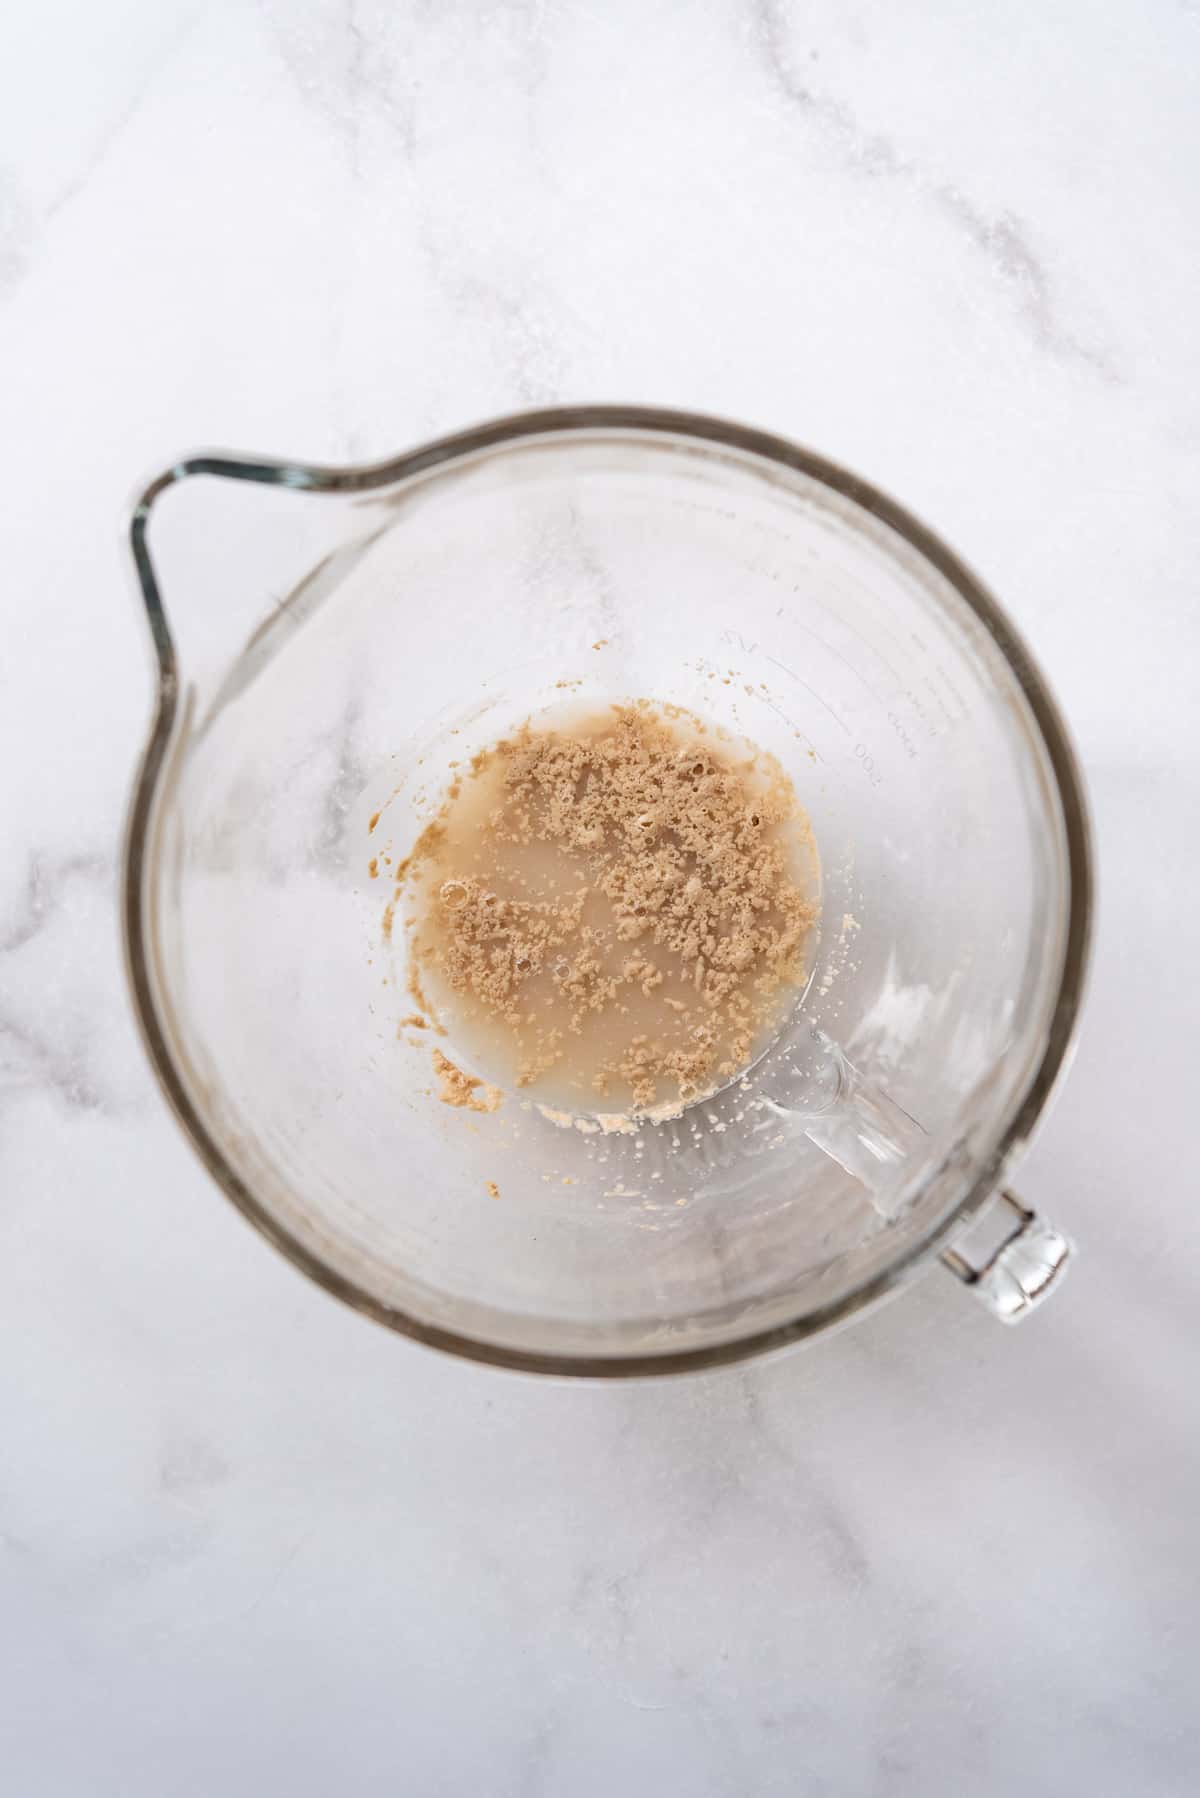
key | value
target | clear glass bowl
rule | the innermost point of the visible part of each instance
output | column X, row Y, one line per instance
column 407, row 613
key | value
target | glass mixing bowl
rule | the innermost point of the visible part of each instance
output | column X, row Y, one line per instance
column 404, row 615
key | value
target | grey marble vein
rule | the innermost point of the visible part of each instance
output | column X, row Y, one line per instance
column 351, row 72
column 16, row 231
column 1003, row 241
column 47, row 887
column 31, row 1060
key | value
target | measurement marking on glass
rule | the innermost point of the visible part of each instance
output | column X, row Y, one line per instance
column 864, row 593
column 791, row 723
column 867, row 762
column 784, row 669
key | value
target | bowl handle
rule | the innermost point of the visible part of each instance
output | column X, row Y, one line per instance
column 1025, row 1267
column 856, row 1123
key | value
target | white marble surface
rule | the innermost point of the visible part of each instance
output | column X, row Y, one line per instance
column 249, row 1543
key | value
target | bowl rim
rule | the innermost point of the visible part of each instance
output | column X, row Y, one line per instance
column 583, row 421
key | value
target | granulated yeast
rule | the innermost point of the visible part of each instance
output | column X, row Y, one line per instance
column 463, row 1090
column 612, row 913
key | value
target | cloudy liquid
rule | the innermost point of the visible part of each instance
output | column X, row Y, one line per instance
column 609, row 915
